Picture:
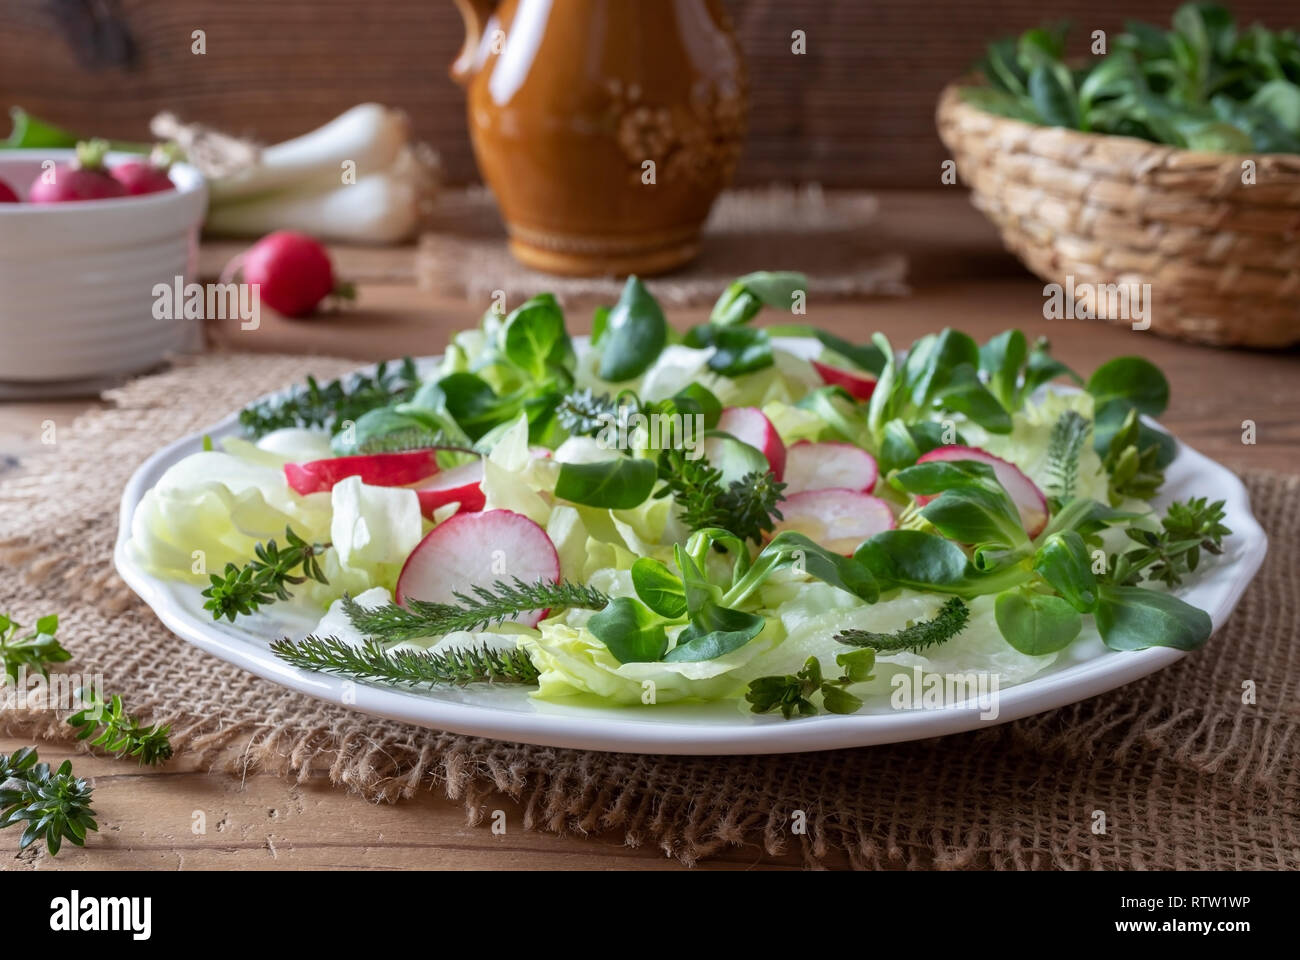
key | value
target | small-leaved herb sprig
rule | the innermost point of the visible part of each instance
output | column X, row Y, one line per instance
column 52, row 805
column 239, row 591
column 946, row 624
column 371, row 662
column 748, row 507
column 36, row 650
column 328, row 406
column 391, row 624
column 793, row 693
column 1187, row 528
column 118, row 731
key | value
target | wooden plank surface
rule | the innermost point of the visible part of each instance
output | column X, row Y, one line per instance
column 960, row 278
column 856, row 109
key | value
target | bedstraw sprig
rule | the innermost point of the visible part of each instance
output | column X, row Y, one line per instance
column 52, row 805
column 371, row 662
column 239, row 591
column 946, row 624
column 391, row 624
column 118, row 731
column 36, row 649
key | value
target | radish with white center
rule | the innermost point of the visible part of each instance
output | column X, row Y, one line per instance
column 837, row 519
column 476, row 550
column 378, row 470
column 461, row 485
column 750, row 425
column 1024, row 493
column 819, row 466
column 859, row 384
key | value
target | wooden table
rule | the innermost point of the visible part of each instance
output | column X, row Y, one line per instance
column 960, row 278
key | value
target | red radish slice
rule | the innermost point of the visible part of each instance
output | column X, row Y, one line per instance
column 858, row 383
column 7, row 194
column 821, row 466
column 838, row 519
column 380, row 470
column 1029, row 500
column 458, row 485
column 750, row 425
column 478, row 549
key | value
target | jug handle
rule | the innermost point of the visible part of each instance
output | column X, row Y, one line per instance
column 476, row 14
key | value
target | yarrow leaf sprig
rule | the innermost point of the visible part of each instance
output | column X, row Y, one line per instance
column 372, row 662
column 946, row 624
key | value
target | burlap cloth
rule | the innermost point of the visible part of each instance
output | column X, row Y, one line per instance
column 828, row 235
column 1186, row 774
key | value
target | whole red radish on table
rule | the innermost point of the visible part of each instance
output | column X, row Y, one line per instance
column 292, row 271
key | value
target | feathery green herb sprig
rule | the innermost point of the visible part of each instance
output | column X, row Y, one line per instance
column 119, row 732
column 371, row 662
column 391, row 624
column 1188, row 528
column 239, row 591
column 585, row 413
column 36, row 650
column 946, row 624
column 53, row 805
column 1064, row 447
column 327, row 406
column 748, row 507
column 793, row 693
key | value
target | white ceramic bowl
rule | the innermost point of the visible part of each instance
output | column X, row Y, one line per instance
column 77, row 279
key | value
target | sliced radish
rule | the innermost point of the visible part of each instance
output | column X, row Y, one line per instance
column 858, row 383
column 1024, row 493
column 820, row 466
column 379, row 469
column 750, row 425
column 837, row 519
column 458, row 485
column 478, row 549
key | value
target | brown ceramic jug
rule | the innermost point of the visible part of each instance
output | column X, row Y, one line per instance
column 605, row 128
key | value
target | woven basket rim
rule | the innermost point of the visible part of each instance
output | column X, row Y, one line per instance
column 951, row 99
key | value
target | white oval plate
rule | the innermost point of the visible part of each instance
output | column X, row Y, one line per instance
column 508, row 713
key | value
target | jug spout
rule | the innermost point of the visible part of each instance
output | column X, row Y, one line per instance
column 476, row 14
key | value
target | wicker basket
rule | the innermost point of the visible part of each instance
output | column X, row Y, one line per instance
column 1222, row 257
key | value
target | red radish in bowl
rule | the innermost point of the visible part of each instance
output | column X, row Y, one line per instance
column 461, row 485
column 85, row 178
column 145, row 175
column 859, row 384
column 379, row 469
column 750, row 425
column 1024, row 493
column 474, row 549
column 7, row 194
column 292, row 271
column 838, row 519
column 819, row 466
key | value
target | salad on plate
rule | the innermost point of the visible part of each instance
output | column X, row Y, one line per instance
column 773, row 516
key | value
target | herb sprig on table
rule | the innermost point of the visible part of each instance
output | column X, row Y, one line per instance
column 51, row 805
column 1205, row 84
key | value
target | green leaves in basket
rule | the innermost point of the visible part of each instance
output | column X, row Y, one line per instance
column 1204, row 84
